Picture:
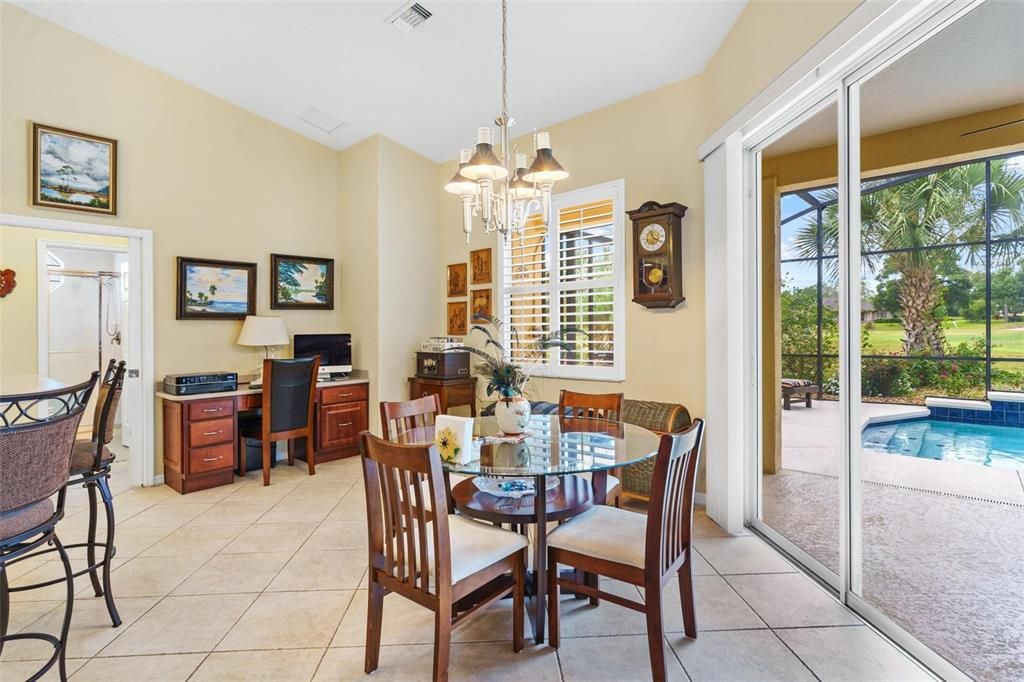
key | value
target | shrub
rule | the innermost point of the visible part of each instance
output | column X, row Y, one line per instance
column 884, row 378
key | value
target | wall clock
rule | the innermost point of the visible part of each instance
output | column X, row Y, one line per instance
column 658, row 254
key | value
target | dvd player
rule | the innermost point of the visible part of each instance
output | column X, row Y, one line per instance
column 191, row 384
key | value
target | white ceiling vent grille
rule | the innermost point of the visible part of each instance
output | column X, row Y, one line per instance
column 410, row 17
column 321, row 120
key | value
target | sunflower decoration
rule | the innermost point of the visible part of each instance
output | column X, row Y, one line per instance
column 448, row 444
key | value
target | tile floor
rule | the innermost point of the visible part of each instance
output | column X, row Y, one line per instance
column 251, row 583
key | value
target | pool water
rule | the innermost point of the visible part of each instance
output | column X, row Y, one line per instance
column 992, row 446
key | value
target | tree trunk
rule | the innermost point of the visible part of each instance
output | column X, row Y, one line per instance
column 919, row 295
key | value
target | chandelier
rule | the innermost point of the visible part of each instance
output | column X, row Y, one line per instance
column 503, row 195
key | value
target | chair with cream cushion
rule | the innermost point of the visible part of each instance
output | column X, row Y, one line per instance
column 403, row 416
column 646, row 551
column 432, row 559
column 604, row 406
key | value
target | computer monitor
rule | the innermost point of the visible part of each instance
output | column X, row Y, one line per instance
column 334, row 351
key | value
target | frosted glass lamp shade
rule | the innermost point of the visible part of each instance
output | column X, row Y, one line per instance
column 263, row 331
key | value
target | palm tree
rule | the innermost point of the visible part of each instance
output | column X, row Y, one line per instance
column 213, row 290
column 905, row 217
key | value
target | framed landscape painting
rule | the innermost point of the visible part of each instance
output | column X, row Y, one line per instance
column 73, row 171
column 215, row 289
column 301, row 282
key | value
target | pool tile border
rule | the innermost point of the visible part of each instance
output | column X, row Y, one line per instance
column 999, row 413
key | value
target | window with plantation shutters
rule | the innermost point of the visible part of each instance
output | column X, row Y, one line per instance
column 569, row 275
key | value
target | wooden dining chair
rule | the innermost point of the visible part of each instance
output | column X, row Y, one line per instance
column 407, row 549
column 289, row 393
column 646, row 551
column 401, row 416
column 606, row 406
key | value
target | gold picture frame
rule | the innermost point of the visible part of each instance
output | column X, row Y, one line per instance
column 480, row 260
column 480, row 301
column 456, row 279
column 458, row 325
column 73, row 171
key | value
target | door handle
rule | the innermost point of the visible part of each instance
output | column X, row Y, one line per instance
column 212, row 409
column 346, row 424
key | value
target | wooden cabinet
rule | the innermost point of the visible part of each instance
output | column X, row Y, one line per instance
column 452, row 392
column 199, row 443
column 338, row 426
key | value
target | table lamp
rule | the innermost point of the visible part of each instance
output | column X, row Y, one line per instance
column 262, row 331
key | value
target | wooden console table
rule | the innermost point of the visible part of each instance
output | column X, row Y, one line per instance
column 452, row 392
column 201, row 444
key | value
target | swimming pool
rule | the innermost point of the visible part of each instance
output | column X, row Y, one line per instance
column 992, row 446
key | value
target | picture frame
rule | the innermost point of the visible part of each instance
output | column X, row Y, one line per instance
column 480, row 302
column 210, row 289
column 456, row 279
column 73, row 171
column 480, row 260
column 301, row 282
column 458, row 323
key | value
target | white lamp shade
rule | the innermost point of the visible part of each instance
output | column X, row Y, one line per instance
column 263, row 331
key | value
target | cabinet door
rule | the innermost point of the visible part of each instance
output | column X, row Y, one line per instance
column 339, row 425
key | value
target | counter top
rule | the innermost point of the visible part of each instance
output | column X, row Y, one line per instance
column 244, row 389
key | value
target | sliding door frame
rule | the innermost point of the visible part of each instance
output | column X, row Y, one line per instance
column 838, row 78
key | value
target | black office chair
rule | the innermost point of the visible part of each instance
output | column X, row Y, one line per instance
column 289, row 390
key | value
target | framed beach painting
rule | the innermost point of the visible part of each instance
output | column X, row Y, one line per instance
column 301, row 282
column 73, row 171
column 215, row 289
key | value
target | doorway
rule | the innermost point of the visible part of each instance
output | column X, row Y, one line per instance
column 103, row 291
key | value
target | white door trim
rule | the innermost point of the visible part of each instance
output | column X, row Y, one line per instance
column 141, row 333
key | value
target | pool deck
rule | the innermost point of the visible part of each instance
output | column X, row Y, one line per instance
column 941, row 553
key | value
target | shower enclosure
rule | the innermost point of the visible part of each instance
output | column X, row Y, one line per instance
column 85, row 307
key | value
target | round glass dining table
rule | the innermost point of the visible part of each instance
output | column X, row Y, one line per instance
column 550, row 446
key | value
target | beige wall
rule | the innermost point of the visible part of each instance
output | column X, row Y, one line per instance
column 766, row 39
column 19, row 311
column 648, row 141
column 209, row 179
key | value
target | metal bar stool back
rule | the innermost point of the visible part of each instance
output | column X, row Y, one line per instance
column 34, row 460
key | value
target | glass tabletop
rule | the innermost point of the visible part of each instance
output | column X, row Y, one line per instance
column 553, row 445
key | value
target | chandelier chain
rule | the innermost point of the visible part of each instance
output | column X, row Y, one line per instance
column 504, row 60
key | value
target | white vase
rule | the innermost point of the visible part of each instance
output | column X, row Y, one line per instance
column 513, row 415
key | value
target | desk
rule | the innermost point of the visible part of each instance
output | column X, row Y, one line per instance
column 201, row 444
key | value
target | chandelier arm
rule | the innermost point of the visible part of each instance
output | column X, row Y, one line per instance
column 504, row 61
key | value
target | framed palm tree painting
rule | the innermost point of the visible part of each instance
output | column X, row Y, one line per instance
column 301, row 282
column 215, row 289
column 73, row 171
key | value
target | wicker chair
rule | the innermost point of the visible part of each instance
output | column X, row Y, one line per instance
column 35, row 455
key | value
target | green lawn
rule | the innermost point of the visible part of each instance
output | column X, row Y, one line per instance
column 1007, row 337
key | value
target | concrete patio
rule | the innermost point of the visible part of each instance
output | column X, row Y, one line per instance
column 937, row 536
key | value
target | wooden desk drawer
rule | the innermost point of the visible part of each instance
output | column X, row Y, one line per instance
column 211, row 409
column 202, row 460
column 339, row 425
column 201, row 434
column 461, row 394
column 343, row 394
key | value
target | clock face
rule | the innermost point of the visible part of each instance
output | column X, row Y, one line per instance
column 652, row 237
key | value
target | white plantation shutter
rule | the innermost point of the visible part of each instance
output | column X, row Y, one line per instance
column 571, row 274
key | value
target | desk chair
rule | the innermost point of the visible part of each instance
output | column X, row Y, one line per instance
column 607, row 406
column 646, row 551
column 289, row 391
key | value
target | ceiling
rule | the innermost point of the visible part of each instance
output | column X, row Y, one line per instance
column 428, row 89
column 977, row 64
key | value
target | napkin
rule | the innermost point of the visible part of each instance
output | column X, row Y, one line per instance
column 454, row 438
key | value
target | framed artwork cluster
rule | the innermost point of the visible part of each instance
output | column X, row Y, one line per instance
column 460, row 277
column 226, row 290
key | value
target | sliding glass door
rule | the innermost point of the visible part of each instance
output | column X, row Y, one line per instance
column 891, row 329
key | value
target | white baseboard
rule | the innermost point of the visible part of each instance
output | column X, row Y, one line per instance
column 700, row 498
column 158, row 480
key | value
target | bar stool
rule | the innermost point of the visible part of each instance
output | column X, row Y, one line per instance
column 35, row 456
column 90, row 467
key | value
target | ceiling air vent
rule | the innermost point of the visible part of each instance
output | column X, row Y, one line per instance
column 321, row 119
column 409, row 17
